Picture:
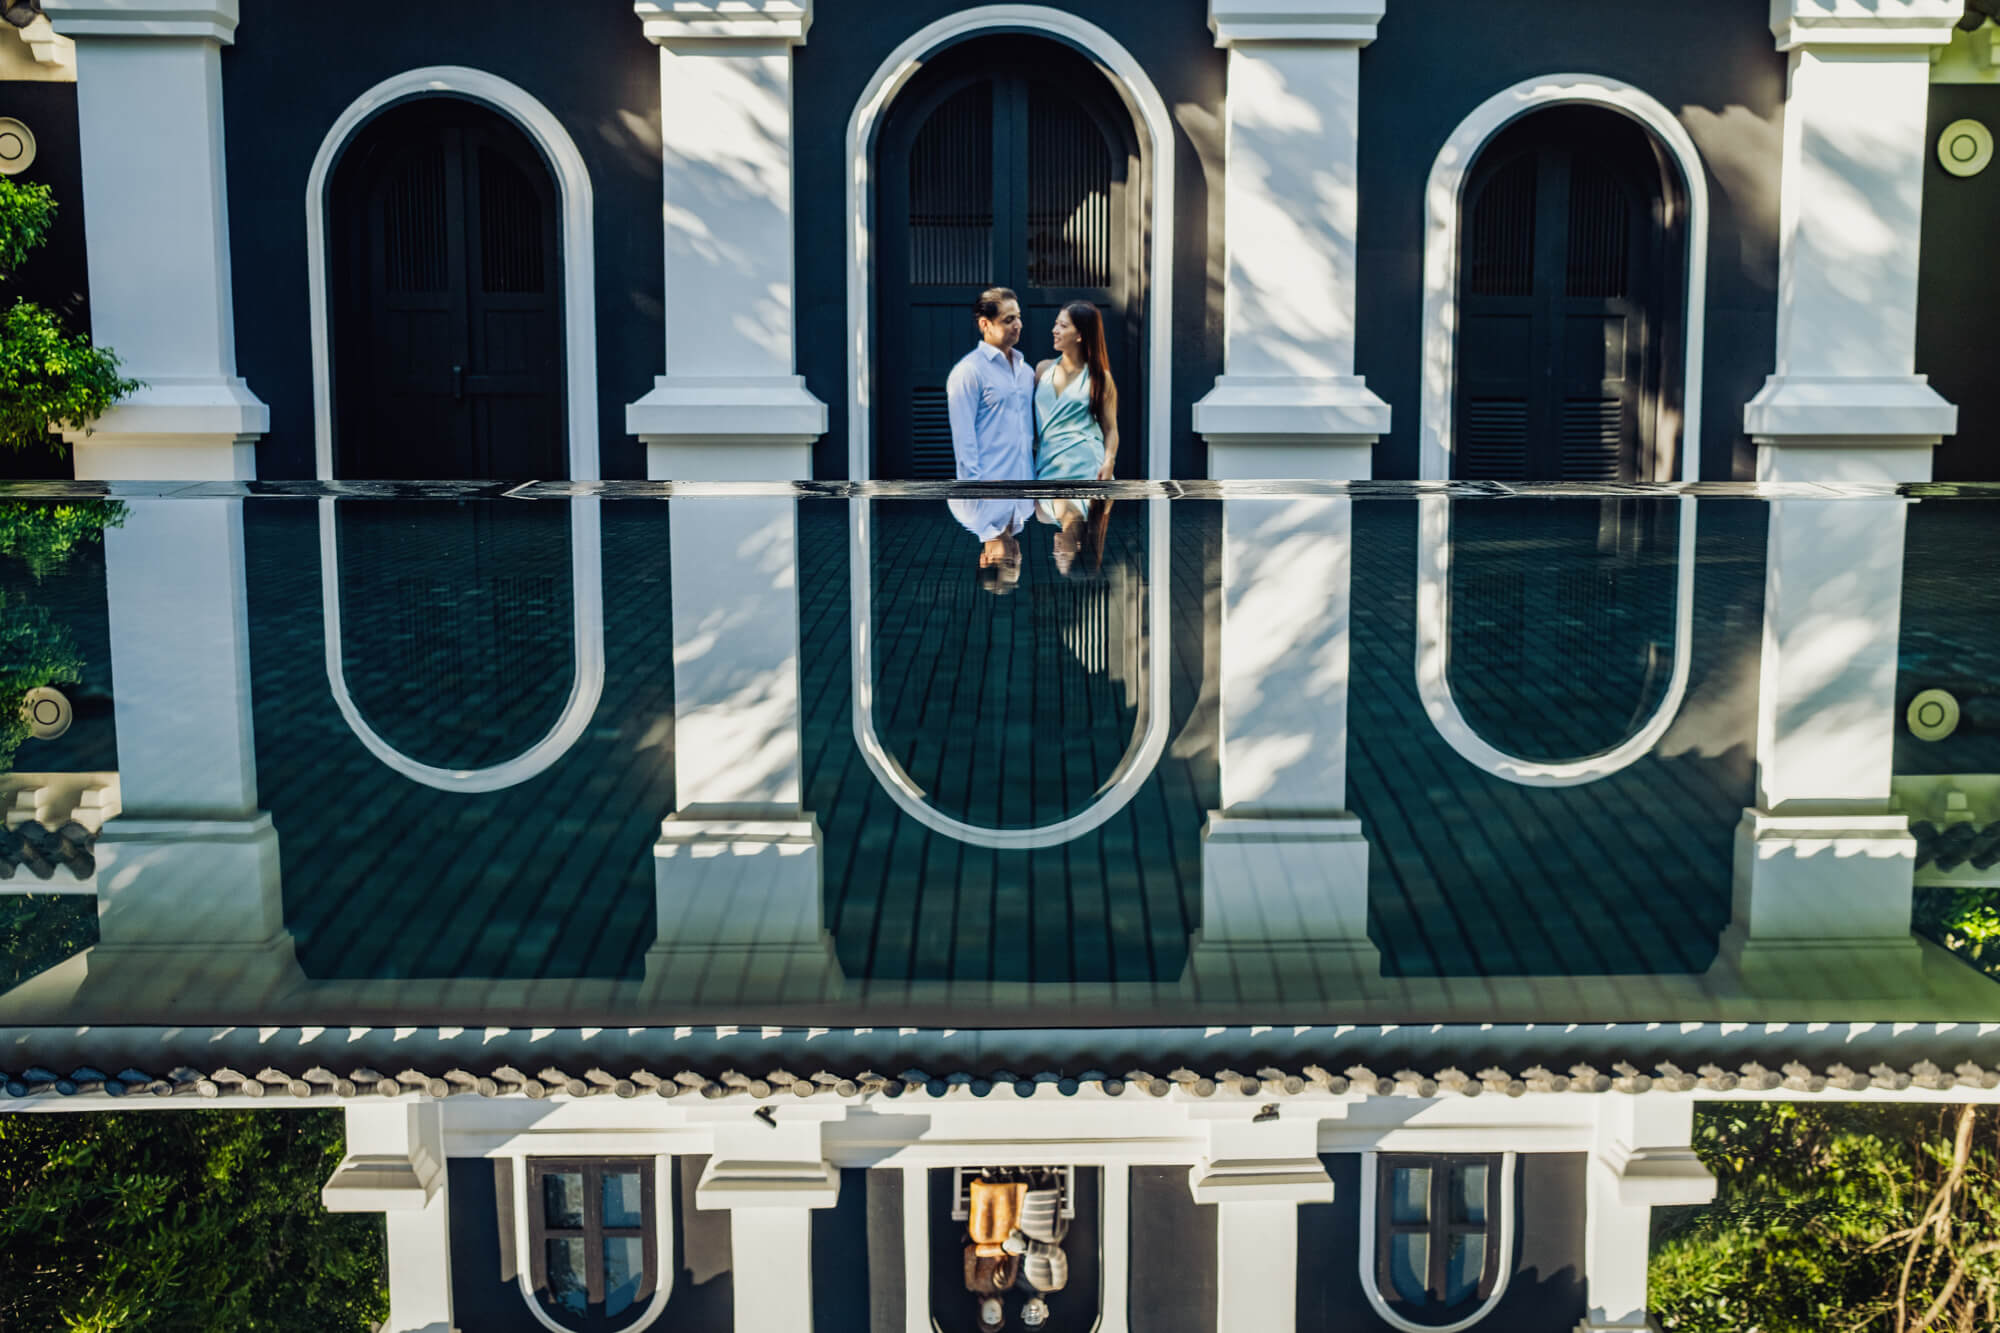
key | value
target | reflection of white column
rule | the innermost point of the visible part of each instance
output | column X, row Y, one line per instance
column 190, row 868
column 1293, row 107
column 1641, row 1161
column 1821, row 864
column 729, row 406
column 149, row 110
column 1284, row 865
column 737, row 866
column 770, row 1177
column 1258, row 1175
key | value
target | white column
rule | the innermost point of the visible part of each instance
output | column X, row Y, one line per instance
column 737, row 866
column 1284, row 865
column 770, row 1177
column 1823, row 869
column 156, row 222
column 1642, row 1160
column 1846, row 403
column 1289, row 210
column 188, row 877
column 1258, row 1175
column 729, row 406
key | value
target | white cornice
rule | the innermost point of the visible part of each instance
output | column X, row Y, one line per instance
column 214, row 21
column 1925, row 23
column 1238, row 21
column 671, row 21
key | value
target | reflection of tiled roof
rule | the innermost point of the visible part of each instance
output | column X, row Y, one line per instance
column 39, row 850
column 507, row 1081
column 1956, row 844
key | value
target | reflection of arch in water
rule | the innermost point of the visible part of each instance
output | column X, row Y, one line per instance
column 1449, row 174
column 1132, row 771
column 586, row 684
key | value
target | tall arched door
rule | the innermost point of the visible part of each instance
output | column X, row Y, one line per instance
column 1567, row 287
column 1008, row 161
column 447, row 300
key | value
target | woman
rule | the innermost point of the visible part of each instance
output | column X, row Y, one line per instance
column 1076, row 420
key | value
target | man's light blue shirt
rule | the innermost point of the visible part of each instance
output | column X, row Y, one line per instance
column 991, row 401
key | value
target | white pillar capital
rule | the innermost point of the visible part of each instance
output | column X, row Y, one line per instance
column 1642, row 1159
column 1918, row 24
column 674, row 22
column 1239, row 21
column 209, row 20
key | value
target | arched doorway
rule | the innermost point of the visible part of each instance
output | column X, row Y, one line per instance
column 446, row 297
column 1570, row 288
column 1009, row 160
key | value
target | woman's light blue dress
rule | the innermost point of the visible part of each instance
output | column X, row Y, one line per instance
column 1069, row 444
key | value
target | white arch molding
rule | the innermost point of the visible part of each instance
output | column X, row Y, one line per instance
column 576, row 242
column 1370, row 1184
column 1443, row 199
column 1144, row 101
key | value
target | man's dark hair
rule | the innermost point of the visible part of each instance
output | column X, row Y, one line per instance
column 988, row 304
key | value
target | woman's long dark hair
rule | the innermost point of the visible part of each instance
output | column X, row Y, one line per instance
column 1089, row 326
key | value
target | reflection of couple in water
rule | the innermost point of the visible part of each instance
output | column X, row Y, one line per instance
column 1057, row 422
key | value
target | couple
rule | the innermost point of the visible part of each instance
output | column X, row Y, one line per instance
column 1057, row 422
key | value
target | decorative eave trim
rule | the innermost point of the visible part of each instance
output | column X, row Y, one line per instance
column 1910, row 23
column 215, row 21
column 670, row 22
column 1309, row 1081
column 1343, row 21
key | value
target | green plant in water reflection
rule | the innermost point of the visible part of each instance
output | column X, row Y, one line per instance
column 35, row 649
column 48, row 375
column 1964, row 920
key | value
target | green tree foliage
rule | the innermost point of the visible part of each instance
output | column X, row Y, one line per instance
column 176, row 1221
column 1837, row 1217
column 48, row 376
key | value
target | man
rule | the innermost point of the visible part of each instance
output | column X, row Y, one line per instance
column 990, row 398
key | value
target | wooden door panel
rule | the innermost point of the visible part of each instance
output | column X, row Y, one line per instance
column 449, row 354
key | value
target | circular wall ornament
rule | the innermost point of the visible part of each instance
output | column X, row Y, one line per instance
column 47, row 713
column 17, row 147
column 1965, row 147
column 1933, row 715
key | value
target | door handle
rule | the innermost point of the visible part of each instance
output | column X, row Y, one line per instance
column 458, row 384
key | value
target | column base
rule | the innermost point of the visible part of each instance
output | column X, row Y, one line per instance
column 1288, row 896
column 1320, row 429
column 1857, row 429
column 733, row 429
column 738, row 903
column 1824, row 898
column 200, row 430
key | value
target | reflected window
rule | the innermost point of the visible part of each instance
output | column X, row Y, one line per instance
column 1437, row 1234
column 593, row 1239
